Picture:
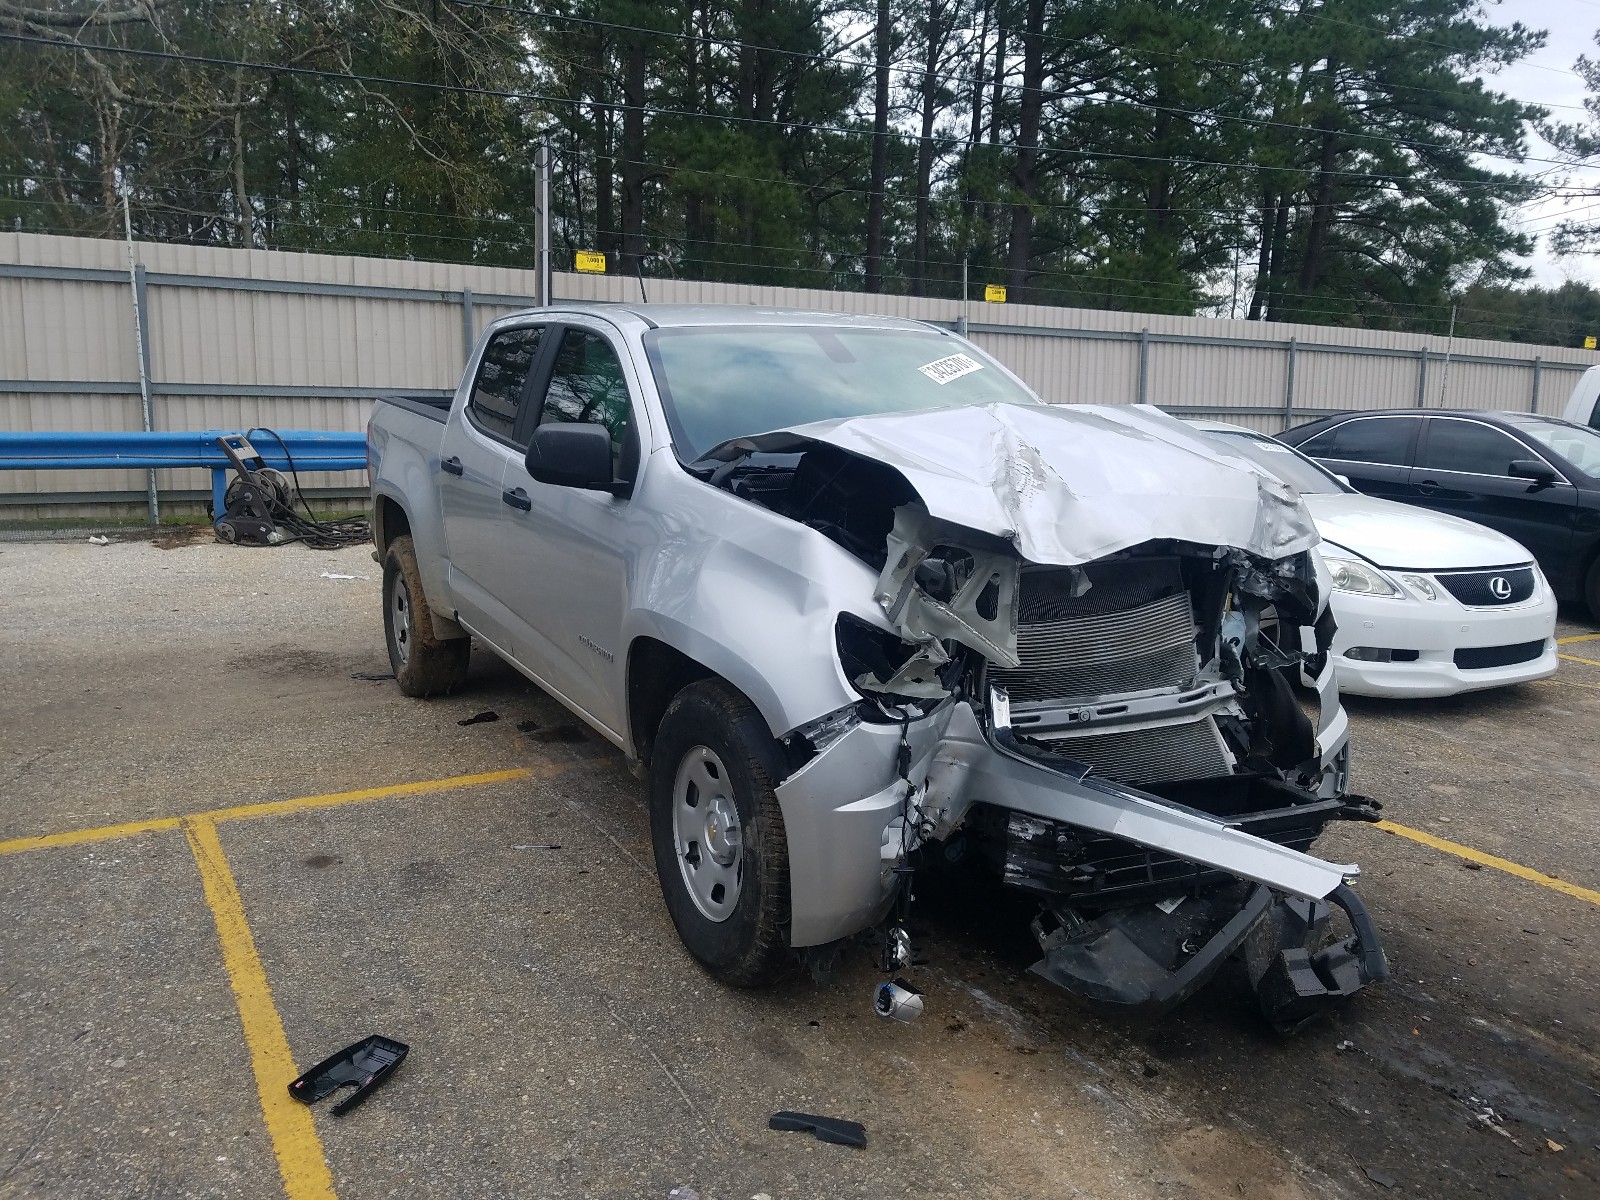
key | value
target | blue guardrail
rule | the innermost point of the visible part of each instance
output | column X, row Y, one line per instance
column 310, row 450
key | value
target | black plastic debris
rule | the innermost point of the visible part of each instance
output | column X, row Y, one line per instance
column 482, row 718
column 372, row 675
column 828, row 1129
column 1382, row 1178
column 363, row 1066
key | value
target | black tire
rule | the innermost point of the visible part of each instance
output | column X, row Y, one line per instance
column 423, row 663
column 750, row 946
column 1591, row 590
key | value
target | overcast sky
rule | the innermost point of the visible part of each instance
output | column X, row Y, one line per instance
column 1547, row 78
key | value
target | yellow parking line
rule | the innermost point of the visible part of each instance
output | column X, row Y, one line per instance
column 1578, row 637
column 1567, row 683
column 1491, row 860
column 240, row 812
column 289, row 1124
column 76, row 837
column 1593, row 662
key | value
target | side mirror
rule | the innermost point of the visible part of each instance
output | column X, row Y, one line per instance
column 1532, row 468
column 1345, row 479
column 574, row 454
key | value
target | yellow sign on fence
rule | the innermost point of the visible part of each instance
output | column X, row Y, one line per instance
column 591, row 262
column 1590, row 342
column 994, row 293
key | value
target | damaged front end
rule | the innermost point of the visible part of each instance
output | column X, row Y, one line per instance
column 1106, row 725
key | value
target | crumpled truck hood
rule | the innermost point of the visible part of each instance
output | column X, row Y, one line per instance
column 1069, row 484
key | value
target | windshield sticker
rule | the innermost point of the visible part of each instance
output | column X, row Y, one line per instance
column 943, row 370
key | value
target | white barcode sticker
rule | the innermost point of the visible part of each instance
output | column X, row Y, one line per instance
column 943, row 370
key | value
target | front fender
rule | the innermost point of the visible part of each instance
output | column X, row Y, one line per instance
column 754, row 602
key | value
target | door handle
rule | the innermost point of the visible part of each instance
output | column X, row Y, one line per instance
column 1428, row 487
column 517, row 498
column 452, row 466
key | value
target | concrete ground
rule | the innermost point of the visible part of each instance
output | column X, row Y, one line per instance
column 562, row 1042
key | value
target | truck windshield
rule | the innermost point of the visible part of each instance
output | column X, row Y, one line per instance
column 734, row 381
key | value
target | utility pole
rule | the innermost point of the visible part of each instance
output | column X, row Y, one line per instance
column 1449, row 346
column 961, row 315
column 142, row 352
column 541, row 220
column 1233, row 305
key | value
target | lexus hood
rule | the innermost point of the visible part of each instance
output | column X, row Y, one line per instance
column 1068, row 484
column 1401, row 537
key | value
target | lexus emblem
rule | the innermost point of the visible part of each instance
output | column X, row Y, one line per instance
column 1501, row 587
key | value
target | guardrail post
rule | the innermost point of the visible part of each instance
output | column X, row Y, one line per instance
column 1538, row 369
column 1288, row 385
column 468, row 334
column 1144, row 366
column 1422, row 378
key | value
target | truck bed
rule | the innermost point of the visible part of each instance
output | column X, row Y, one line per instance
column 433, row 405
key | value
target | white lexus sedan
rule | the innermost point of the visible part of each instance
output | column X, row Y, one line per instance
column 1427, row 604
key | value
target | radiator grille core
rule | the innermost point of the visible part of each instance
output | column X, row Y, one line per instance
column 1132, row 631
column 1164, row 754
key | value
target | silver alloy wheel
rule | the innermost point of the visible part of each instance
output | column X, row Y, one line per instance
column 706, row 833
column 400, row 614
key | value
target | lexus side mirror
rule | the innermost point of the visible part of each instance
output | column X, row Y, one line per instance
column 1345, row 479
column 571, row 454
column 1532, row 468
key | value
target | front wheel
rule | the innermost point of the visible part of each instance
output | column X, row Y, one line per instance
column 721, row 852
column 423, row 663
column 1591, row 589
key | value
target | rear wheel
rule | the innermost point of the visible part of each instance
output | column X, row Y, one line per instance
column 720, row 848
column 1591, row 589
column 423, row 663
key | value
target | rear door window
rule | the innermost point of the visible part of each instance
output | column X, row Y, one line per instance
column 1385, row 441
column 501, row 383
column 1469, row 447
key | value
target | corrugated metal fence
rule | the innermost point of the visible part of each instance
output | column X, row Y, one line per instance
column 241, row 338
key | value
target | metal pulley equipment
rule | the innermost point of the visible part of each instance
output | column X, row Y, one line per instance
column 255, row 493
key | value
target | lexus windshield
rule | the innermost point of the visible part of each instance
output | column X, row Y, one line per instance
column 1278, row 460
column 1578, row 444
column 733, row 381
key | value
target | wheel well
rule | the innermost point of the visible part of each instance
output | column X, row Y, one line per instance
column 389, row 521
column 656, row 673
column 1591, row 563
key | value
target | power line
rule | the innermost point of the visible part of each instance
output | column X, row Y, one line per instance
column 1370, row 178
column 1384, row 33
column 986, row 81
column 1051, row 94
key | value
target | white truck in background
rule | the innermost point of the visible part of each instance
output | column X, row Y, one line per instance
column 1583, row 406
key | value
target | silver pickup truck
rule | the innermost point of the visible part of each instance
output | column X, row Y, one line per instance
column 858, row 603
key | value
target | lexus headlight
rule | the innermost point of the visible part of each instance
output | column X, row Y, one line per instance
column 1353, row 575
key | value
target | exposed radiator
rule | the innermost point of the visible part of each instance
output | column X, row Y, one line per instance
column 1133, row 630
column 1164, row 754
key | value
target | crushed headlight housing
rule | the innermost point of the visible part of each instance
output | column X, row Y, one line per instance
column 1353, row 575
column 1421, row 585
